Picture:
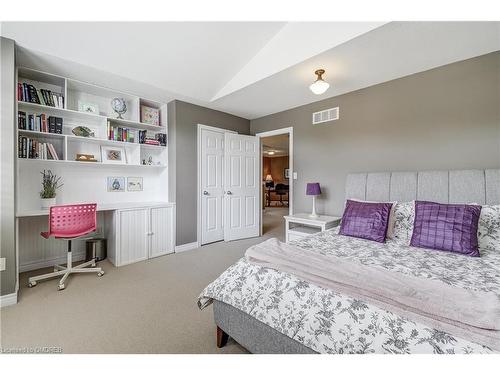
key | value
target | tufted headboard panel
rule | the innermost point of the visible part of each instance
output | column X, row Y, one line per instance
column 456, row 186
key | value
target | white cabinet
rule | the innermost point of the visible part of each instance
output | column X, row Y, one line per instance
column 162, row 231
column 140, row 233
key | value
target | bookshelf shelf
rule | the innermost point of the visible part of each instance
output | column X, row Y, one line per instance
column 92, row 164
column 61, row 112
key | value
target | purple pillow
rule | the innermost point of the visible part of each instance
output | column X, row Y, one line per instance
column 448, row 227
column 366, row 220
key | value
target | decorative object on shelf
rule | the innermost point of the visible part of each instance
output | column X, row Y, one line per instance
column 119, row 106
column 85, row 157
column 116, row 184
column 50, row 184
column 150, row 115
column 113, row 155
column 319, row 86
column 286, row 173
column 134, row 183
column 162, row 138
column 313, row 189
column 149, row 162
column 83, row 131
column 88, row 107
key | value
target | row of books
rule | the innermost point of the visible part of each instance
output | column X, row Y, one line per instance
column 39, row 123
column 28, row 93
column 117, row 133
column 34, row 149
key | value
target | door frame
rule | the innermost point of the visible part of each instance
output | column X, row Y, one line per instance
column 198, row 174
column 270, row 133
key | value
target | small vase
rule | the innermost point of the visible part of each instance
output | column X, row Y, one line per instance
column 47, row 203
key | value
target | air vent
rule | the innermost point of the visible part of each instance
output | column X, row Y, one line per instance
column 330, row 114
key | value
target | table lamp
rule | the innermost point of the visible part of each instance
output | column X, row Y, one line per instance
column 313, row 189
column 269, row 181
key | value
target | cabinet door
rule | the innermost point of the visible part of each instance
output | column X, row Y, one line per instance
column 133, row 236
column 162, row 231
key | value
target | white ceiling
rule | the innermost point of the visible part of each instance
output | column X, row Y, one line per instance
column 250, row 69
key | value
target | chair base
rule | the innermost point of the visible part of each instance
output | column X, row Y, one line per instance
column 66, row 271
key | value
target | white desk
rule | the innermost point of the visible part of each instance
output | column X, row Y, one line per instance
column 102, row 207
column 135, row 231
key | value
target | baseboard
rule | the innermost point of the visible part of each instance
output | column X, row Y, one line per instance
column 44, row 263
column 8, row 299
column 187, row 247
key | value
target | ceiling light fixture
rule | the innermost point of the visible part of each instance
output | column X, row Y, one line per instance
column 270, row 152
column 319, row 86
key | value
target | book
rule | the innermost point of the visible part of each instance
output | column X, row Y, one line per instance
column 33, row 95
column 59, row 125
column 21, row 120
column 52, row 124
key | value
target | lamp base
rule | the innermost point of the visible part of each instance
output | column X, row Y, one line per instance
column 313, row 214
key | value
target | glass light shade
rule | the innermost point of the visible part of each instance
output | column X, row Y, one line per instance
column 319, row 87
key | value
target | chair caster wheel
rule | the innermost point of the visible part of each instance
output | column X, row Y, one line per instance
column 32, row 284
column 61, row 287
column 100, row 273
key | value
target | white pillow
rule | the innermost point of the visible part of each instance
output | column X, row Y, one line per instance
column 404, row 216
column 488, row 232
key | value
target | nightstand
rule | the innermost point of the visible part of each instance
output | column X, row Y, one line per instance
column 302, row 225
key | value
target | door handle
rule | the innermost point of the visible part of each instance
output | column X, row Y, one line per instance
column 229, row 192
column 205, row 192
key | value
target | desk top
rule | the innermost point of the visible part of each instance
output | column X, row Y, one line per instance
column 102, row 207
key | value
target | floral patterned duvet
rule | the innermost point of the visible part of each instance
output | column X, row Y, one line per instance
column 330, row 322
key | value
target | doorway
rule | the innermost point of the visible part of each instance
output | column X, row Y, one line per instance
column 276, row 178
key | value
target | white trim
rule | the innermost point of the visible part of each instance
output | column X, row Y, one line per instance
column 270, row 133
column 198, row 174
column 187, row 247
column 8, row 299
column 77, row 256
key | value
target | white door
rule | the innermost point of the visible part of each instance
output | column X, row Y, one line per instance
column 133, row 236
column 162, row 234
column 212, row 186
column 241, row 175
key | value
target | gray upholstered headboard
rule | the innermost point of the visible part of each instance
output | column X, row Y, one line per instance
column 458, row 186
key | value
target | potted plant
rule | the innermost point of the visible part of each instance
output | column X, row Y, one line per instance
column 50, row 183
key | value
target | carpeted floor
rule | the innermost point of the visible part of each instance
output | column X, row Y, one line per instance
column 146, row 307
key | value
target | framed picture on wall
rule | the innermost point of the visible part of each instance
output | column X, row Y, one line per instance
column 134, row 183
column 287, row 173
column 116, row 184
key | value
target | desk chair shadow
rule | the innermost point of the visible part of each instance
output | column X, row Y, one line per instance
column 68, row 223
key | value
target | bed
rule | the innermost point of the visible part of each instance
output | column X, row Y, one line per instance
column 269, row 311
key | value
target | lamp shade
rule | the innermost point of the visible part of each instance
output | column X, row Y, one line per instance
column 313, row 188
column 269, row 178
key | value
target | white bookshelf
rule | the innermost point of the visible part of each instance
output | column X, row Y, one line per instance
column 86, row 181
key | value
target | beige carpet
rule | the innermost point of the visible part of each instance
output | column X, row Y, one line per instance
column 146, row 307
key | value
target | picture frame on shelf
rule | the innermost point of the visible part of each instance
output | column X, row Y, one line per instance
column 113, row 155
column 116, row 184
column 135, row 184
column 150, row 115
column 87, row 107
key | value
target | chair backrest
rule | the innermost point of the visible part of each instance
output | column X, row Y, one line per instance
column 281, row 189
column 73, row 220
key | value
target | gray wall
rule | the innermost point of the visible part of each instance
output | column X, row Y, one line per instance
column 183, row 124
column 444, row 118
column 7, row 208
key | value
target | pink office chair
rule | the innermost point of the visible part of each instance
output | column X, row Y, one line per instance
column 70, row 222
